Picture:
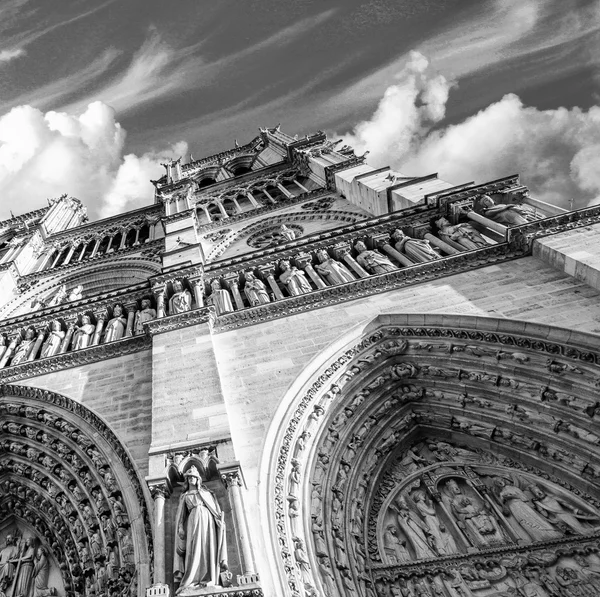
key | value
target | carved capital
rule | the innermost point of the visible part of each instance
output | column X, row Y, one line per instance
column 160, row 489
column 231, row 475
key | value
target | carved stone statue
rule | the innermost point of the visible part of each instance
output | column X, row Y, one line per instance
column 415, row 530
column 294, row 279
column 2, row 345
column 83, row 334
column 287, row 233
column 8, row 557
column 509, row 215
column 181, row 301
column 560, row 512
column 146, row 313
column 200, row 548
column 41, row 573
column 443, row 540
column 52, row 344
column 516, row 504
column 332, row 270
column 76, row 293
column 255, row 290
column 480, row 527
column 373, row 261
column 22, row 351
column 463, row 234
column 394, row 547
column 24, row 568
column 220, row 298
column 58, row 297
column 419, row 250
column 115, row 328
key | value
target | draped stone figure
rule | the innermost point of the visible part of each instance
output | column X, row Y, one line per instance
column 255, row 290
column 8, row 556
column 287, row 233
column 76, row 293
column 480, row 527
column 200, row 548
column 443, row 540
column 516, row 504
column 115, row 328
column 294, row 279
column 463, row 234
column 419, row 250
column 332, row 270
column 146, row 313
column 24, row 569
column 52, row 343
column 22, row 351
column 415, row 530
column 2, row 345
column 394, row 547
column 220, row 298
column 83, row 334
column 373, row 261
column 60, row 296
column 509, row 215
column 41, row 573
column 181, row 301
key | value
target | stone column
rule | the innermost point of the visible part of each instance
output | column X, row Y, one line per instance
column 269, row 196
column 232, row 478
column 440, row 244
column 300, row 186
column 36, row 346
column 85, row 246
column 303, row 261
column 64, row 345
column 69, row 255
column 10, row 350
column 59, row 252
column 284, row 190
column 252, row 199
column 159, row 490
column 342, row 252
column 95, row 249
column 232, row 281
column 109, row 246
column 46, row 259
column 382, row 242
column 268, row 272
column 124, row 234
column 131, row 309
column 222, row 209
column 159, row 294
column 100, row 318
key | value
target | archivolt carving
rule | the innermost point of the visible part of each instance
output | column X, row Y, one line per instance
column 65, row 475
column 421, row 444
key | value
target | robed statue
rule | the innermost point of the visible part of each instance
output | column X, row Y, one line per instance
column 200, row 548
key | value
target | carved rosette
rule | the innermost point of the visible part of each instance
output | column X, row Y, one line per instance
column 65, row 475
column 368, row 443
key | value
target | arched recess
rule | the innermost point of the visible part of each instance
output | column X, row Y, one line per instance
column 439, row 455
column 70, row 487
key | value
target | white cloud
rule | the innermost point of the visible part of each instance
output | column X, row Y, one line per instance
column 8, row 55
column 46, row 155
column 557, row 152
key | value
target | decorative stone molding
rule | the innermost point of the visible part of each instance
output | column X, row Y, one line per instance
column 181, row 320
column 331, row 171
column 76, row 358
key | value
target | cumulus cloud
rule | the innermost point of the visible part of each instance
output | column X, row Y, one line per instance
column 8, row 55
column 557, row 152
column 46, row 155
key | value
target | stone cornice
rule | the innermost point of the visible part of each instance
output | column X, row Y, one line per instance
column 151, row 248
column 16, row 220
column 75, row 358
column 408, row 276
column 181, row 320
column 330, row 171
column 462, row 194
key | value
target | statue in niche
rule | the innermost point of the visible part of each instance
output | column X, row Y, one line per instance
column 287, row 234
column 52, row 344
column 295, row 280
column 200, row 549
column 419, row 250
column 414, row 529
column 373, row 261
column 255, row 290
column 480, row 527
column 332, row 270
column 219, row 298
column 463, row 234
column 115, row 328
column 444, row 542
column 517, row 505
column 22, row 351
column 394, row 547
column 561, row 513
column 146, row 313
column 76, row 293
column 82, row 335
column 507, row 214
column 181, row 301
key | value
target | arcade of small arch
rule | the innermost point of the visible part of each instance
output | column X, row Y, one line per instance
column 442, row 456
column 69, row 486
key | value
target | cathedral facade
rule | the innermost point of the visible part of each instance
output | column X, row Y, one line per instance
column 295, row 374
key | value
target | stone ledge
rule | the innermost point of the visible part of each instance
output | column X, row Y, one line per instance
column 249, row 590
column 181, row 320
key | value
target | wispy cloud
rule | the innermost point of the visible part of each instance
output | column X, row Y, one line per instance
column 8, row 55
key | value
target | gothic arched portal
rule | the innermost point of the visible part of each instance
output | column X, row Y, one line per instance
column 440, row 456
column 70, row 493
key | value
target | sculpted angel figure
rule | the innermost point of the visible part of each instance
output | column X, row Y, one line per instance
column 517, row 504
column 332, row 270
column 419, row 250
column 181, row 301
column 255, row 290
column 463, row 234
column 115, row 328
column 52, row 344
column 373, row 261
column 200, row 548
column 294, row 279
column 76, row 293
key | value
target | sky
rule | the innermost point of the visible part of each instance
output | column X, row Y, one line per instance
column 95, row 94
